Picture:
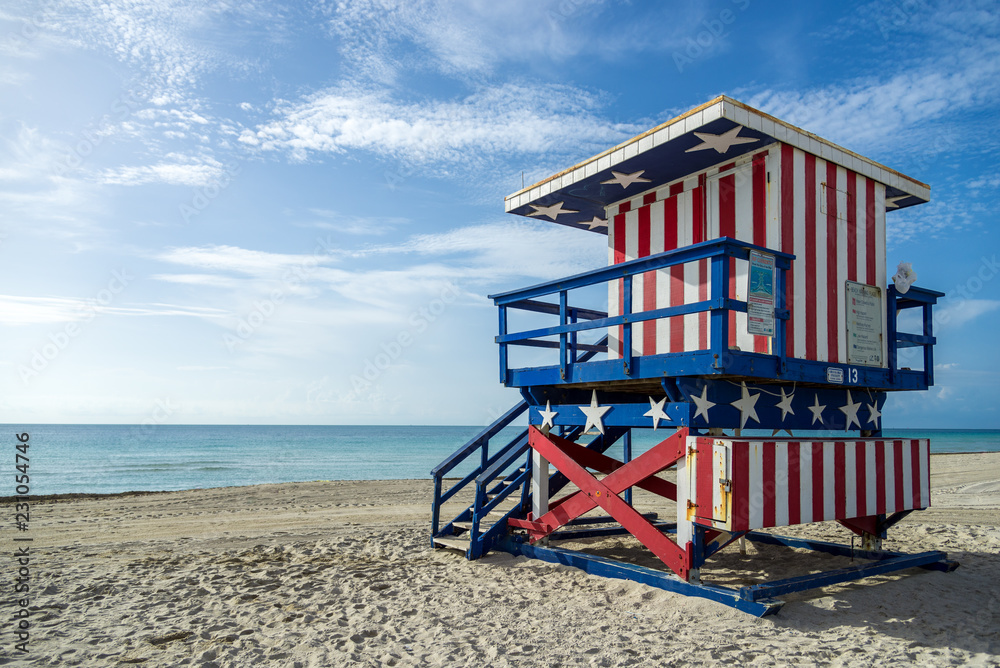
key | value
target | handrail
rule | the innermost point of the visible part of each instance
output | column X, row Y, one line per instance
column 489, row 467
column 718, row 303
column 477, row 441
column 915, row 297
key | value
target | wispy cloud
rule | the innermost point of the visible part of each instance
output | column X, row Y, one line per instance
column 468, row 259
column 946, row 63
column 239, row 260
column 384, row 39
column 19, row 310
column 510, row 119
column 326, row 219
column 180, row 171
column 168, row 44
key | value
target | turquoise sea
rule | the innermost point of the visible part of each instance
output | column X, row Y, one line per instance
column 119, row 458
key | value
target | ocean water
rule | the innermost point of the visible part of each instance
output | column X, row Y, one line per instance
column 119, row 458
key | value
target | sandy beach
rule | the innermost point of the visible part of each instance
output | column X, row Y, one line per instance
column 342, row 574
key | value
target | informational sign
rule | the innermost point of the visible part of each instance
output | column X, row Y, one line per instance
column 864, row 324
column 760, row 294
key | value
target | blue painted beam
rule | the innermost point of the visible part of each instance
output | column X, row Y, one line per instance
column 661, row 580
column 815, row 580
column 733, row 362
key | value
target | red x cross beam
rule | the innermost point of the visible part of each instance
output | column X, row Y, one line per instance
column 572, row 460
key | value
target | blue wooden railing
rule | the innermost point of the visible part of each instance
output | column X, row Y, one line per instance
column 923, row 299
column 493, row 482
column 573, row 320
column 718, row 358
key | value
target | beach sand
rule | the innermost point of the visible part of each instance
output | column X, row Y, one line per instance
column 341, row 574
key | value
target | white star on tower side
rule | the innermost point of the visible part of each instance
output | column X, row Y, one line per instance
column 873, row 414
column 721, row 143
column 553, row 211
column 702, row 403
column 786, row 404
column 850, row 411
column 747, row 405
column 893, row 202
column 625, row 180
column 594, row 413
column 547, row 415
column 817, row 411
column 656, row 411
column 595, row 223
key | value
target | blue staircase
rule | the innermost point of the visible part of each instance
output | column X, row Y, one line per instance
column 498, row 477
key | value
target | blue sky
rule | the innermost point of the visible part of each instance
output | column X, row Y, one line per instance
column 270, row 213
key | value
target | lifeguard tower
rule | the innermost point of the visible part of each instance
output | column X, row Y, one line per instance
column 746, row 290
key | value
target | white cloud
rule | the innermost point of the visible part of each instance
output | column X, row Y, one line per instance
column 961, row 313
column 465, row 261
column 19, row 310
column 945, row 62
column 240, row 260
column 191, row 173
column 351, row 224
column 502, row 121
column 382, row 39
column 168, row 44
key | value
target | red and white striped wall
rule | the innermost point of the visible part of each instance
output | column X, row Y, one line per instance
column 739, row 485
column 831, row 218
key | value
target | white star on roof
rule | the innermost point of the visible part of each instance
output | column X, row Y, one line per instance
column 552, row 211
column 747, row 405
column 595, row 223
column 625, row 180
column 721, row 143
column 547, row 415
column 594, row 413
column 786, row 404
column 893, row 202
column 817, row 411
column 656, row 411
column 702, row 403
column 873, row 414
column 850, row 411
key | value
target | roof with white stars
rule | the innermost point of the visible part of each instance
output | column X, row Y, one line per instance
column 716, row 132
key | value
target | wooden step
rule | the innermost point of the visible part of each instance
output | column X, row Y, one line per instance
column 453, row 542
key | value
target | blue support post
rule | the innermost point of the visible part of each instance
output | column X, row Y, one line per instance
column 573, row 319
column 928, row 349
column 626, row 458
column 890, row 305
column 627, row 335
column 780, row 323
column 503, row 346
column 562, row 336
column 719, row 319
